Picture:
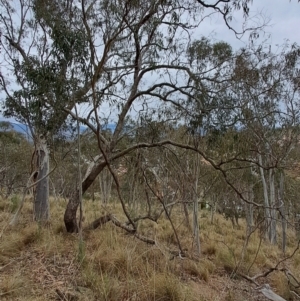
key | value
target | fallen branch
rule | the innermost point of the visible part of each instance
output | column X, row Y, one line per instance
column 139, row 218
column 99, row 222
column 265, row 289
column 156, row 216
column 295, row 294
column 267, row 292
column 292, row 279
column 248, row 278
column 110, row 217
column 122, row 226
column 275, row 268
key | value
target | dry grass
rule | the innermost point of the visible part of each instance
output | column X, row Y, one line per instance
column 281, row 285
column 50, row 264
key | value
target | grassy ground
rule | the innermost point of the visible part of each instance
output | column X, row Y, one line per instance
column 39, row 263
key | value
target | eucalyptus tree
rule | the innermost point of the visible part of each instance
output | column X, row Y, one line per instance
column 144, row 73
column 118, row 58
column 291, row 192
column 267, row 86
column 44, row 48
column 14, row 159
column 261, row 103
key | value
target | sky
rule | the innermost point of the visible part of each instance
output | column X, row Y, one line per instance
column 283, row 18
column 283, row 24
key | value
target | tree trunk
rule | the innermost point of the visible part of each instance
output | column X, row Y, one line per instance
column 273, row 236
column 249, row 210
column 266, row 198
column 213, row 208
column 196, row 209
column 105, row 182
column 41, row 209
column 186, row 214
column 132, row 200
column 282, row 210
column 71, row 210
column 297, row 225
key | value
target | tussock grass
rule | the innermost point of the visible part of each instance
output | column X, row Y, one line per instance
column 14, row 241
column 209, row 249
column 12, row 286
column 165, row 287
column 281, row 285
column 113, row 265
column 225, row 258
column 197, row 270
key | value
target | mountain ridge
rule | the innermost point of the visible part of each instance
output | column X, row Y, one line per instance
column 24, row 129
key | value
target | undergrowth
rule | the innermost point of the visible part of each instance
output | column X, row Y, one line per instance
column 49, row 264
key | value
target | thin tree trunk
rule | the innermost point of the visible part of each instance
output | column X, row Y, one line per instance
column 266, row 198
column 249, row 211
column 105, row 181
column 132, row 181
column 79, row 180
column 273, row 236
column 41, row 210
column 213, row 208
column 297, row 225
column 186, row 214
column 196, row 209
column 282, row 210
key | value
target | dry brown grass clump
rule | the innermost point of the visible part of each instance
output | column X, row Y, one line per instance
column 40, row 263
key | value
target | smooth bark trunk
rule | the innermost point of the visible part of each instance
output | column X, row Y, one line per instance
column 273, row 235
column 186, row 214
column 213, row 208
column 282, row 210
column 41, row 208
column 105, row 181
column 249, row 211
column 196, row 209
column 266, row 198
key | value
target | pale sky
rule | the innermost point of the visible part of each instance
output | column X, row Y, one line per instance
column 283, row 18
column 284, row 23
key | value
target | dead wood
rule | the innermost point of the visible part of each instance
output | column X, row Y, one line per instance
column 267, row 292
column 99, row 222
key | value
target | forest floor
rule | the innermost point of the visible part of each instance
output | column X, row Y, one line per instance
column 46, row 263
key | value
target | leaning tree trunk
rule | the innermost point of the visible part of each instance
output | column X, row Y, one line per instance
column 70, row 218
column 41, row 209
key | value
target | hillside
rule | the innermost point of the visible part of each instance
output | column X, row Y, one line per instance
column 24, row 129
column 49, row 264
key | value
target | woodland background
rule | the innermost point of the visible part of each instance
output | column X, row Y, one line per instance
column 134, row 123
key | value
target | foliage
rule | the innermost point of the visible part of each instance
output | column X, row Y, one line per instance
column 15, row 155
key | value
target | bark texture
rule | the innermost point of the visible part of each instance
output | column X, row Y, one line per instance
column 41, row 208
column 70, row 218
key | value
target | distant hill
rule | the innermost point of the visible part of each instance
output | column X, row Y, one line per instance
column 22, row 128
column 18, row 127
